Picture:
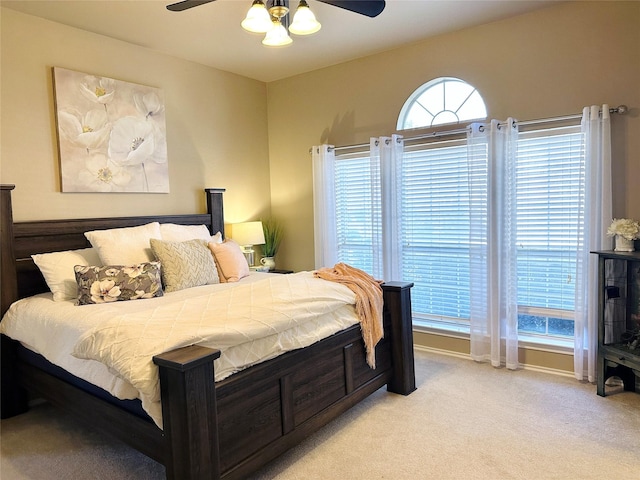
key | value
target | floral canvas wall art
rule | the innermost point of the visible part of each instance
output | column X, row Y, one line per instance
column 111, row 134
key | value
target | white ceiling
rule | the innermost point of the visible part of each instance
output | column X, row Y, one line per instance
column 211, row 34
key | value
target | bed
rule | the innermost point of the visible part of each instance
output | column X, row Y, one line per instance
column 210, row 429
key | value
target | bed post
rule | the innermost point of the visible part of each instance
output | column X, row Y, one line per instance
column 215, row 209
column 12, row 397
column 189, row 413
column 9, row 280
column 397, row 304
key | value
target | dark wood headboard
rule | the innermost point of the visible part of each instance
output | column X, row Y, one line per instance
column 20, row 277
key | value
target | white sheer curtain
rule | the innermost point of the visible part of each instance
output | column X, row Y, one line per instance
column 324, row 206
column 385, row 162
column 378, row 148
column 390, row 150
column 493, row 275
column 594, row 219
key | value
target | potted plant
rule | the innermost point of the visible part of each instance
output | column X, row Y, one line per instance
column 626, row 231
column 272, row 238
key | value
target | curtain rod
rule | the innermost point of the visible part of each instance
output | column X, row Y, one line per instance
column 622, row 109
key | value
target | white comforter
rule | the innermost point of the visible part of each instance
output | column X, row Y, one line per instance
column 112, row 345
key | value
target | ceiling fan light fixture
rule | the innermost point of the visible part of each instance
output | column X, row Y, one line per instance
column 279, row 8
column 277, row 36
column 304, row 21
column 258, row 19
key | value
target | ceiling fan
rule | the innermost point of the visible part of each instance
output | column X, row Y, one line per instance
column 370, row 8
column 271, row 17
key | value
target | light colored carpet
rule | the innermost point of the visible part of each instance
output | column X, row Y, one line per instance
column 465, row 421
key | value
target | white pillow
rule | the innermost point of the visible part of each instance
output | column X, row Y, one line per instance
column 125, row 246
column 172, row 232
column 217, row 238
column 57, row 270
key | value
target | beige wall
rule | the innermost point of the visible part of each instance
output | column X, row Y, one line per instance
column 216, row 125
column 548, row 63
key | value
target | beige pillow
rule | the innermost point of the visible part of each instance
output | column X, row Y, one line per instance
column 185, row 264
column 230, row 259
column 124, row 246
column 57, row 270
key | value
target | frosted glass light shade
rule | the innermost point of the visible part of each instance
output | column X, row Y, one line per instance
column 258, row 19
column 304, row 21
column 277, row 36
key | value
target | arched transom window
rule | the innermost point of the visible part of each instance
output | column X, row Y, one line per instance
column 441, row 101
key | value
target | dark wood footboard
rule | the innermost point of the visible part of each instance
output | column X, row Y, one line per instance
column 267, row 409
column 212, row 430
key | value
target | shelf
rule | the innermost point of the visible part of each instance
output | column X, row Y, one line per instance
column 619, row 255
column 619, row 314
column 624, row 347
column 622, row 352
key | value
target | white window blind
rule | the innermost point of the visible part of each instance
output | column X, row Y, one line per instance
column 549, row 171
column 358, row 209
column 435, row 229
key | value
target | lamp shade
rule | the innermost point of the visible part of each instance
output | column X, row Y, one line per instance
column 304, row 21
column 248, row 233
column 258, row 19
column 277, row 36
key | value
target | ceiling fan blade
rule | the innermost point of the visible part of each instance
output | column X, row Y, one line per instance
column 370, row 8
column 185, row 4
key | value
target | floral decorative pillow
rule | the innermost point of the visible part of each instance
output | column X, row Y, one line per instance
column 113, row 283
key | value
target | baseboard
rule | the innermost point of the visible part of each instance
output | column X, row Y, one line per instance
column 466, row 356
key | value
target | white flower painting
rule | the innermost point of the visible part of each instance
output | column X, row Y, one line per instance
column 111, row 134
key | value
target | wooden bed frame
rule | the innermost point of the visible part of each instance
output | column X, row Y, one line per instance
column 211, row 430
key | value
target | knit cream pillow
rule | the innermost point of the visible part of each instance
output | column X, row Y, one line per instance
column 185, row 264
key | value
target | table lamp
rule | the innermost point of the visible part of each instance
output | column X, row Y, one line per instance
column 248, row 234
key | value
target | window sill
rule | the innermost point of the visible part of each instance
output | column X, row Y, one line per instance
column 528, row 342
column 441, row 328
column 554, row 345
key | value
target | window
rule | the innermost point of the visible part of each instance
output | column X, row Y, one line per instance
column 441, row 101
column 549, row 176
column 357, row 191
column 435, row 229
column 435, row 222
column 441, row 199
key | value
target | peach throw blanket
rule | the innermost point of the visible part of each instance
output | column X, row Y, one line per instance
column 368, row 294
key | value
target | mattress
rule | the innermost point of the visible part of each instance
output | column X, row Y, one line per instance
column 250, row 321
